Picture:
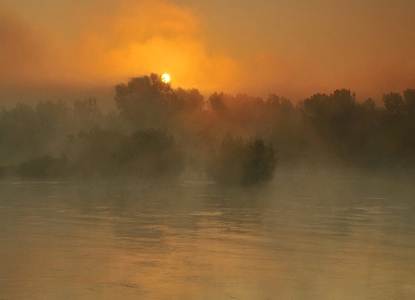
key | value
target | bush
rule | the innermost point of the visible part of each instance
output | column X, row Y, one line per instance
column 151, row 154
column 259, row 162
column 242, row 163
column 148, row 154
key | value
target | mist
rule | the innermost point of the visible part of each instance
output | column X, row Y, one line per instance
column 278, row 162
column 68, row 50
column 158, row 132
column 48, row 61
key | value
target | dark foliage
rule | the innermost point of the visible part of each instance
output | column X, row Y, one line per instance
column 238, row 162
column 143, row 101
column 53, row 139
column 150, row 154
column 93, row 152
column 147, row 154
column 259, row 162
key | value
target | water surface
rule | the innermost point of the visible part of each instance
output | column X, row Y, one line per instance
column 300, row 238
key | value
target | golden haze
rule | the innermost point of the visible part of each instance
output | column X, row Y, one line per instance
column 292, row 49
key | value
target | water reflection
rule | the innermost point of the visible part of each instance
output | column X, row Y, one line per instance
column 106, row 240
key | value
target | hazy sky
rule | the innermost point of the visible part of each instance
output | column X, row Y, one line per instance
column 68, row 48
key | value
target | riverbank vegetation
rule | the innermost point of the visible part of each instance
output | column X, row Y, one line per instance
column 159, row 132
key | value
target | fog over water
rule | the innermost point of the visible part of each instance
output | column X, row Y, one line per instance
column 116, row 183
column 321, row 235
column 174, row 196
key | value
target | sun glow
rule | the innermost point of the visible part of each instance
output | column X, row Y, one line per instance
column 165, row 78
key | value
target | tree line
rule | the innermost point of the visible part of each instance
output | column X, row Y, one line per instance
column 159, row 132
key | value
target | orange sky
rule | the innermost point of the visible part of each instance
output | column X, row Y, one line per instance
column 294, row 48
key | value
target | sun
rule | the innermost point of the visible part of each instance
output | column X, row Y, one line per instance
column 165, row 78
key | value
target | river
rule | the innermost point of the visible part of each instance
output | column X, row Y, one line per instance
column 302, row 237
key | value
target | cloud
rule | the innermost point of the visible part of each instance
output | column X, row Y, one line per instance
column 22, row 51
column 135, row 39
column 155, row 36
column 96, row 47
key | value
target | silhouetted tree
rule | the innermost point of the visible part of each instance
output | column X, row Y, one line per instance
column 186, row 100
column 87, row 114
column 216, row 102
column 259, row 163
column 398, row 127
column 335, row 117
column 144, row 102
column 394, row 104
column 52, row 138
column 281, row 123
column 409, row 101
column 226, row 164
column 94, row 152
column 18, row 133
column 242, row 163
column 280, row 105
column 151, row 154
column 53, row 123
